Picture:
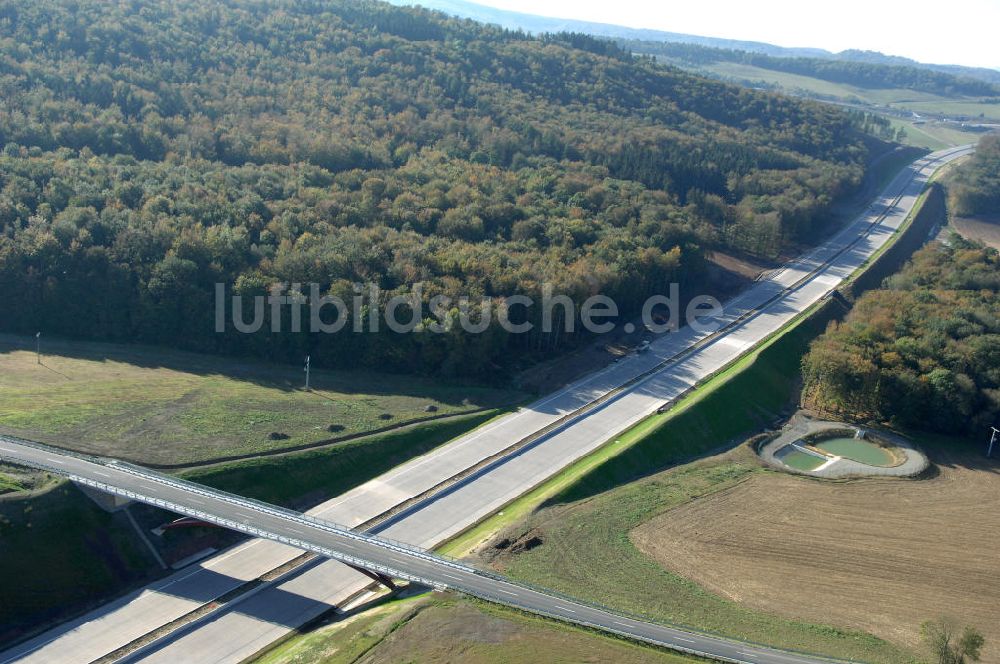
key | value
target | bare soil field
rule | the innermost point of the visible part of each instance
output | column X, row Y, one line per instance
column 984, row 229
column 878, row 555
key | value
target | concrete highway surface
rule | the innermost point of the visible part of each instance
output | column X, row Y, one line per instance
column 391, row 558
column 561, row 427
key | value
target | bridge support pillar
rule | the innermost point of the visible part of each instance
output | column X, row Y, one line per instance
column 376, row 577
column 106, row 501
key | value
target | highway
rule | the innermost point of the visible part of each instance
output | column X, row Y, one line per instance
column 392, row 558
column 559, row 428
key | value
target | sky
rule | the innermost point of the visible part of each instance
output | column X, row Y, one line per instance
column 965, row 32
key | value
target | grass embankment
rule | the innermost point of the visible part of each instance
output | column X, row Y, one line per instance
column 157, row 406
column 443, row 628
column 8, row 484
column 328, row 472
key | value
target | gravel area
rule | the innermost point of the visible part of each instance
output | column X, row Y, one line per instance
column 800, row 426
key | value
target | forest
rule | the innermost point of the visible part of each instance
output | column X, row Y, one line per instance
column 154, row 148
column 974, row 189
column 850, row 72
column 924, row 351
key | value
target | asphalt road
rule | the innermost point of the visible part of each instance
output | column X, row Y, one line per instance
column 368, row 551
column 673, row 365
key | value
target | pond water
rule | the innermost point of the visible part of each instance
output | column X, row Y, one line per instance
column 856, row 449
column 793, row 458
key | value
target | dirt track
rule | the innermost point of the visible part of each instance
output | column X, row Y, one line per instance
column 984, row 229
column 877, row 555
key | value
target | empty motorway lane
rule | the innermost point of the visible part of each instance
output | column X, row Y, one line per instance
column 393, row 558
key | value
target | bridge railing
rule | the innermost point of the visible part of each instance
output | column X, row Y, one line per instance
column 280, row 512
column 249, row 529
column 216, row 494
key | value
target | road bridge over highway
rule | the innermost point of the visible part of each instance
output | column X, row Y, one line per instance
column 375, row 554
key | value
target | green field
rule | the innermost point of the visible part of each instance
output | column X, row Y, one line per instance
column 158, row 406
column 932, row 135
column 444, row 628
column 956, row 108
column 749, row 74
column 898, row 98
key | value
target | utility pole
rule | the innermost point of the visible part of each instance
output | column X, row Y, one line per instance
column 993, row 439
column 38, row 347
column 307, row 372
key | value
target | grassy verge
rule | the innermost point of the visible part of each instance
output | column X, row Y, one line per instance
column 439, row 628
column 8, row 484
column 318, row 474
column 157, row 406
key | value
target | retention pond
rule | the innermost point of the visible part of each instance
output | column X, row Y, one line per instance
column 858, row 450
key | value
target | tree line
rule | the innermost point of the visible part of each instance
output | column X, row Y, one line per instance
column 924, row 351
column 974, row 188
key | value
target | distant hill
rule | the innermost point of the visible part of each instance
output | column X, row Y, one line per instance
column 541, row 24
column 859, row 72
column 874, row 57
